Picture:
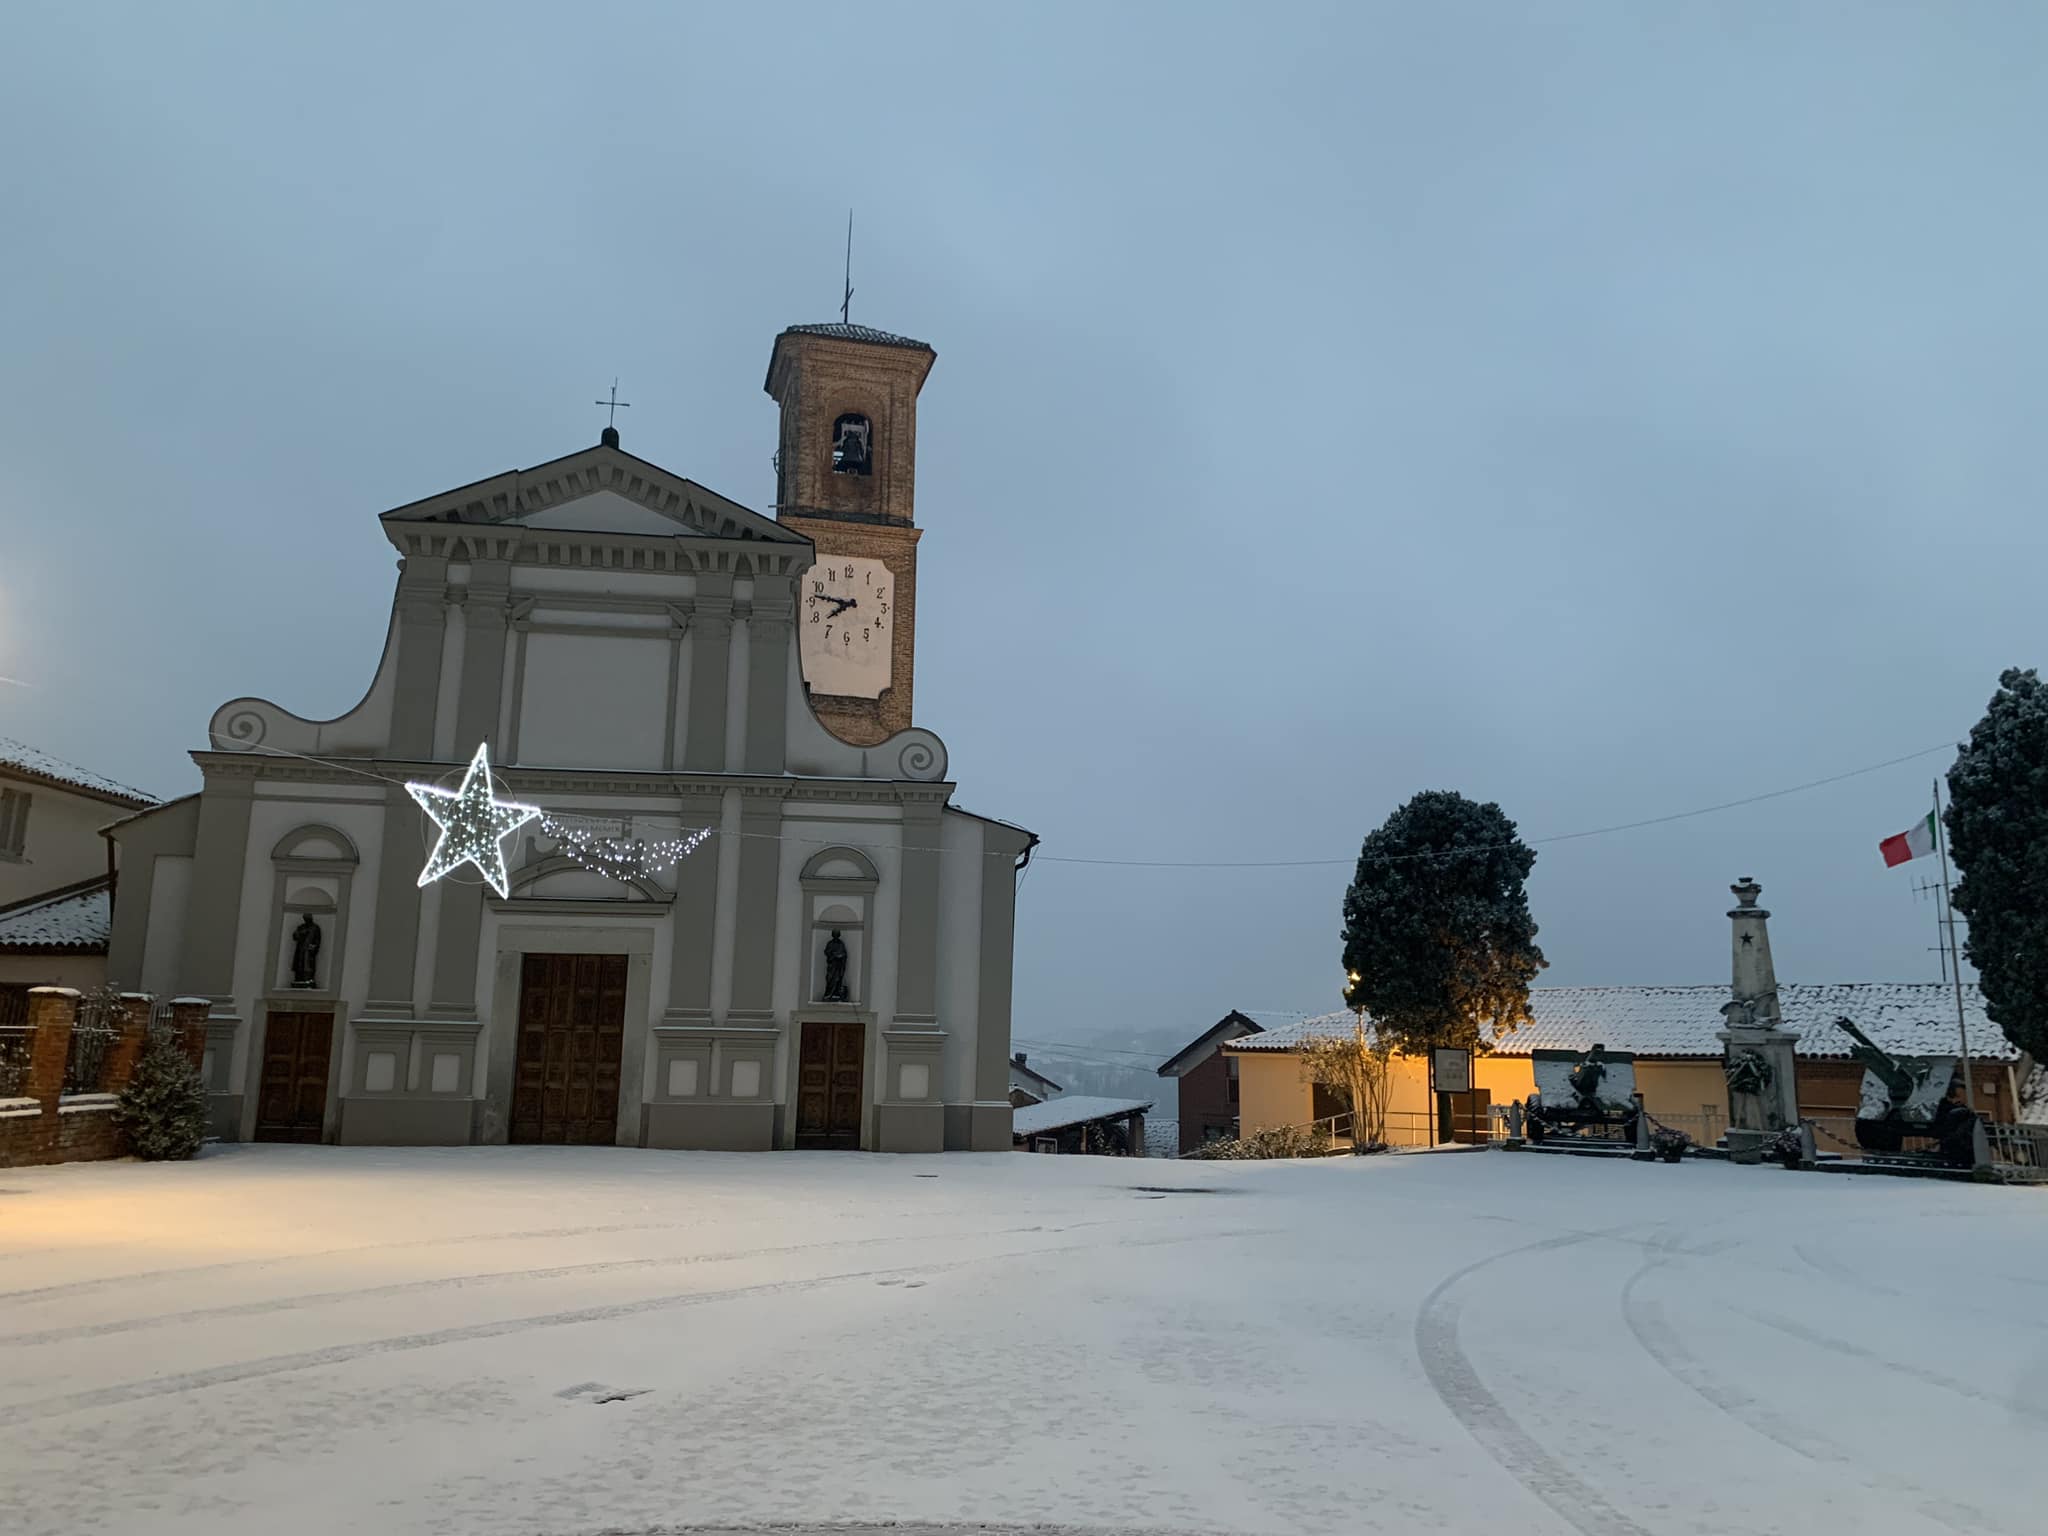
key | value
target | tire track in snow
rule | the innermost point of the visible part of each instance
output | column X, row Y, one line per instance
column 1661, row 1342
column 1487, row 1420
column 339, row 1354
column 107, row 1282
column 486, row 1277
column 2014, row 1404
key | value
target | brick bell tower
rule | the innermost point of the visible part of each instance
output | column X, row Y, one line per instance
column 846, row 478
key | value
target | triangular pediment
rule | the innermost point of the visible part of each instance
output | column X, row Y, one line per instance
column 604, row 512
column 602, row 490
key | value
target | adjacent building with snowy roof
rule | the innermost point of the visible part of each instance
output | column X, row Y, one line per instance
column 1083, row 1123
column 56, row 870
column 1671, row 1035
column 1028, row 1085
column 1672, row 1032
column 1208, row 1079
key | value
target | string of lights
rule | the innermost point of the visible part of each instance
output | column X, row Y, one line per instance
column 1347, row 861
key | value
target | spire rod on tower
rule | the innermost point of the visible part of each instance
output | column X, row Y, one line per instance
column 846, row 299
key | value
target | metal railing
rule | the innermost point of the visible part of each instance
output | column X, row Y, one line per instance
column 93, row 1034
column 2019, row 1147
column 13, row 1006
column 17, row 1047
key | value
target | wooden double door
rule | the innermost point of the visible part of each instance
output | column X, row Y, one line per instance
column 572, row 1029
column 291, row 1100
column 831, row 1077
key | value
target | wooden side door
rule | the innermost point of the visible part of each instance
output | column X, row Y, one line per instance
column 572, row 1030
column 1467, row 1117
column 291, row 1103
column 831, row 1076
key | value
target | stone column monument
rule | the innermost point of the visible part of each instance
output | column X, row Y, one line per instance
column 1763, row 1074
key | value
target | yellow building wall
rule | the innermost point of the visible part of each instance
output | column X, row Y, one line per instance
column 1691, row 1095
column 1408, row 1108
column 1271, row 1091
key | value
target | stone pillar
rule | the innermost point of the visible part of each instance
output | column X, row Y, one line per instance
column 1754, row 979
column 51, row 1013
column 127, row 1047
column 1757, row 1055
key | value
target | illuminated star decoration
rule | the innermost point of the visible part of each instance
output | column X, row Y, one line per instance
column 473, row 823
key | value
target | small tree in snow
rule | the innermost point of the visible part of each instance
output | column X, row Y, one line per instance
column 1354, row 1065
column 163, row 1109
column 1998, row 832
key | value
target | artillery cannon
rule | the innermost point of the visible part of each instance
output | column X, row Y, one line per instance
column 1582, row 1095
column 1909, row 1096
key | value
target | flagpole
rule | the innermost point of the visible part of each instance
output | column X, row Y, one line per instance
column 1955, row 960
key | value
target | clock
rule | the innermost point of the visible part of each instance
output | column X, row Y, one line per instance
column 847, row 618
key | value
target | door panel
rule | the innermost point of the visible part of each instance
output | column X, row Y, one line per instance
column 572, row 1029
column 831, row 1076
column 291, row 1101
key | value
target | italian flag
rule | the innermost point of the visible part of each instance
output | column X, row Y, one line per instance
column 1916, row 844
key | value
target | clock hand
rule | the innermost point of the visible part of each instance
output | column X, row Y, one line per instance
column 844, row 604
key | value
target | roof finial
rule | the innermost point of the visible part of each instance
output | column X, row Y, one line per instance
column 846, row 299
column 613, row 405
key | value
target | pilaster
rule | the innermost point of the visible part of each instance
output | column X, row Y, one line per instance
column 768, row 637
column 214, row 907
column 422, row 618
column 760, row 858
column 710, row 660
column 694, row 913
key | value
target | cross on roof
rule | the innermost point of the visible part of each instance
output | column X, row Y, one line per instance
column 613, row 405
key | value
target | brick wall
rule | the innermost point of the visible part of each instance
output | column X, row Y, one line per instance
column 45, row 1125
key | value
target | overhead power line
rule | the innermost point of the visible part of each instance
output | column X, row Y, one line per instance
column 1558, row 837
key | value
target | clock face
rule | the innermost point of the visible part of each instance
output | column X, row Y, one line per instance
column 847, row 617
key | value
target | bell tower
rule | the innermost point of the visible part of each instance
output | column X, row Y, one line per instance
column 845, row 478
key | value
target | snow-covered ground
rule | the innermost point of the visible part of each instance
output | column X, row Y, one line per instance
column 525, row 1340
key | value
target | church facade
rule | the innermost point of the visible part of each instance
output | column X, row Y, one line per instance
column 739, row 908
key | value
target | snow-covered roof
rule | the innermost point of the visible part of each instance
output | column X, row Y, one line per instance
column 75, row 919
column 1913, row 1018
column 50, row 768
column 840, row 331
column 1234, row 1025
column 1019, row 1069
column 1075, row 1109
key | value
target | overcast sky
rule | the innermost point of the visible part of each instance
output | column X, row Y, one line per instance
column 1609, row 410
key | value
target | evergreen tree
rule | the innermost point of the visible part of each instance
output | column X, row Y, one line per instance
column 1437, row 933
column 163, row 1109
column 1998, row 835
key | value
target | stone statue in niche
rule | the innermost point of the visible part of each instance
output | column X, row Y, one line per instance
column 835, row 971
column 306, row 953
